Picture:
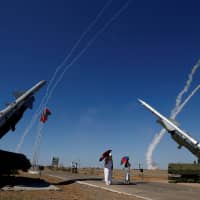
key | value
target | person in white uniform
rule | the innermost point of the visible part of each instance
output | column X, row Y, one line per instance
column 127, row 170
column 108, row 168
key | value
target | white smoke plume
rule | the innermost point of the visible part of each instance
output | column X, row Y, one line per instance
column 177, row 109
column 58, row 68
column 65, row 67
column 36, row 149
column 185, row 89
column 68, row 66
column 151, row 148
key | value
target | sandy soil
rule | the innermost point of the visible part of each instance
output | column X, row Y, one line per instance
column 76, row 191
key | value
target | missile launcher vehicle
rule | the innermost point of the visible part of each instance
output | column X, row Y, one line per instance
column 179, row 172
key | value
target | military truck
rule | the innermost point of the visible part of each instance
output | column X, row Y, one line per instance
column 12, row 162
column 183, row 172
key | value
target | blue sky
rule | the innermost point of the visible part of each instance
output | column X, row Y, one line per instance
column 147, row 53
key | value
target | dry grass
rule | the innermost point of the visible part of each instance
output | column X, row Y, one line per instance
column 147, row 175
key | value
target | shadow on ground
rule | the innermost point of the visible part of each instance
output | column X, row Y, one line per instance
column 77, row 179
column 71, row 181
column 22, row 181
column 11, row 181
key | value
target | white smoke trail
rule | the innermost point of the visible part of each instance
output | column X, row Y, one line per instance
column 80, row 54
column 185, row 102
column 39, row 133
column 36, row 148
column 91, row 25
column 185, row 89
column 49, row 94
column 156, row 140
column 18, row 147
column 151, row 148
column 58, row 68
column 87, row 46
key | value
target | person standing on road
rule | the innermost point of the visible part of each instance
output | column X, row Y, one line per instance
column 127, row 170
column 108, row 168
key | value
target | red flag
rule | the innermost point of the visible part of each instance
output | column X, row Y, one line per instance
column 44, row 115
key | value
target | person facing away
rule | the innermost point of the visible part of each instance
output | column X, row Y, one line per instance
column 108, row 167
column 127, row 169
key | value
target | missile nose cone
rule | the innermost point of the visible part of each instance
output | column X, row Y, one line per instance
column 40, row 84
column 141, row 101
column 43, row 82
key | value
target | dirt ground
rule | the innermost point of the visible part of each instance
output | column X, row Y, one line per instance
column 75, row 191
column 136, row 175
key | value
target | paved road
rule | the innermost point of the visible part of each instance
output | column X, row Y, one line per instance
column 143, row 190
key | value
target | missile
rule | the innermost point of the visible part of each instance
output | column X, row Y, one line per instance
column 11, row 115
column 23, row 97
column 31, row 91
column 168, row 125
